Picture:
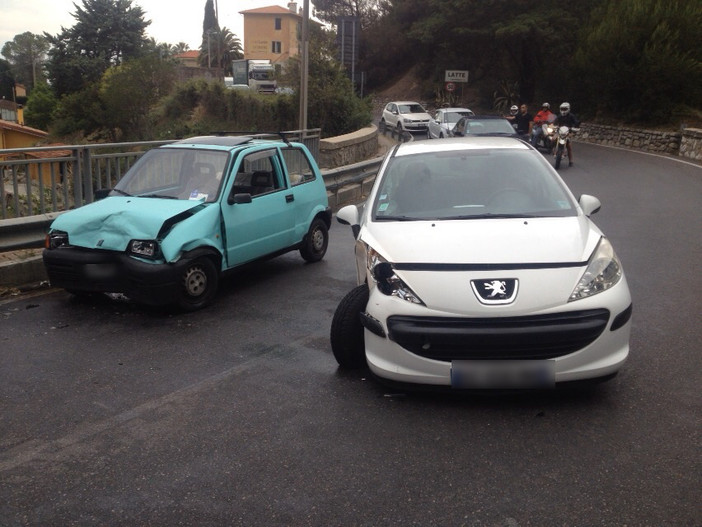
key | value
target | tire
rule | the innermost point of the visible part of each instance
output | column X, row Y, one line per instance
column 315, row 242
column 346, row 335
column 198, row 285
column 559, row 156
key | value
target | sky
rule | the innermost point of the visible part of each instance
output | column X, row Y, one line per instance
column 172, row 21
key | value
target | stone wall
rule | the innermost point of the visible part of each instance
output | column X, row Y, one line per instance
column 687, row 143
column 691, row 144
column 348, row 149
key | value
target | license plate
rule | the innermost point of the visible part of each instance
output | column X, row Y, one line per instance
column 503, row 374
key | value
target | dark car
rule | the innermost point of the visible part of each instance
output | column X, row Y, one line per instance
column 491, row 125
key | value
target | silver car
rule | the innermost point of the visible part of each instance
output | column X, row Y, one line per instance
column 405, row 116
column 444, row 120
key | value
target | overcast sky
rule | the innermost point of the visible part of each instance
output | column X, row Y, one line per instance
column 172, row 21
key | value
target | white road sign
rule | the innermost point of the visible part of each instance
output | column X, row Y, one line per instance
column 456, row 76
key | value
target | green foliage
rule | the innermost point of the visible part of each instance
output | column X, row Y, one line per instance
column 26, row 53
column 127, row 93
column 640, row 60
column 7, row 80
column 106, row 33
column 41, row 106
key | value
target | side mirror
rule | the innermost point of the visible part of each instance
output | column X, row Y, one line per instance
column 239, row 199
column 589, row 204
column 349, row 215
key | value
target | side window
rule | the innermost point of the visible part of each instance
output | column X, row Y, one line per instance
column 299, row 168
column 258, row 173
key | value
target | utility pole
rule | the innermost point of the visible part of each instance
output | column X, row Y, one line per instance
column 304, row 60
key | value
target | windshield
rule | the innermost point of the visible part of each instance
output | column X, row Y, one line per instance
column 470, row 184
column 453, row 117
column 411, row 108
column 175, row 173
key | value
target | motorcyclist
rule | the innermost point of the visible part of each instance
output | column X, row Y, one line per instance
column 542, row 117
column 569, row 119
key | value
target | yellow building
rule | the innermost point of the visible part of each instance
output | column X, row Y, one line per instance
column 272, row 33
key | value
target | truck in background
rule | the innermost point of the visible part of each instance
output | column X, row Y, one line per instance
column 259, row 75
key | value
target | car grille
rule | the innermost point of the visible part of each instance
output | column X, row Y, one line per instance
column 511, row 338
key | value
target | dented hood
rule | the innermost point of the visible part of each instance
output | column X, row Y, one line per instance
column 112, row 222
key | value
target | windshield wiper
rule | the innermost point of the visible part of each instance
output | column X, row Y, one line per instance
column 162, row 196
column 399, row 218
column 490, row 215
column 119, row 191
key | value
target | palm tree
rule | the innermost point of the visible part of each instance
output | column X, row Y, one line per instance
column 224, row 47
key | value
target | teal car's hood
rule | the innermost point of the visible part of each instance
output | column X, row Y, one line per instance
column 112, row 222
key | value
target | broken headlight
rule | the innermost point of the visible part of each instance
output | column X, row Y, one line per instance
column 386, row 280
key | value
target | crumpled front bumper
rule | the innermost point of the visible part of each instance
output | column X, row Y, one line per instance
column 86, row 270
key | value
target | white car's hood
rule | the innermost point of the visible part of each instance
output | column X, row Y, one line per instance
column 484, row 241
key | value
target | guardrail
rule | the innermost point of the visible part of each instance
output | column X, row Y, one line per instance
column 343, row 184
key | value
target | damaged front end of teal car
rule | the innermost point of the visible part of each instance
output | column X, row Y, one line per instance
column 186, row 212
column 155, row 252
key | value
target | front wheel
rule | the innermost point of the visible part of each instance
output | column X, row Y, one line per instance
column 347, row 331
column 559, row 156
column 314, row 245
column 199, row 284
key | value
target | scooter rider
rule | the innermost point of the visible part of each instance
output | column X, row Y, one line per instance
column 543, row 117
column 567, row 118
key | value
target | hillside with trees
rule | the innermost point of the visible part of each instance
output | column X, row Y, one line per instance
column 637, row 62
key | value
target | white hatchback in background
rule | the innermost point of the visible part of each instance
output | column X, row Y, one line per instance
column 477, row 268
column 405, row 116
column 444, row 120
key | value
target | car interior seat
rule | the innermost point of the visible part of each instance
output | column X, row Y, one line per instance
column 261, row 182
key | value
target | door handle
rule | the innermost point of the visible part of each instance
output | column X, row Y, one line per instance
column 289, row 198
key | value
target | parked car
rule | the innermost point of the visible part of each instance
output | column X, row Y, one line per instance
column 405, row 116
column 483, row 125
column 477, row 268
column 188, row 211
column 444, row 120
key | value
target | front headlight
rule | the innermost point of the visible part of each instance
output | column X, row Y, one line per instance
column 144, row 249
column 56, row 239
column 603, row 271
column 388, row 283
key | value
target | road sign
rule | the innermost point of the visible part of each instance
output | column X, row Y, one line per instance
column 456, row 76
column 450, row 86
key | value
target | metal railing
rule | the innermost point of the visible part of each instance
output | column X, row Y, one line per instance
column 105, row 169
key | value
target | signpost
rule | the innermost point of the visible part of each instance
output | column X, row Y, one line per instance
column 452, row 77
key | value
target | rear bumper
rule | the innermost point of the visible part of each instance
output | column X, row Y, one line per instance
column 87, row 270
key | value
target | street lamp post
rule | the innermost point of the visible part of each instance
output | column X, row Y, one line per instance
column 304, row 61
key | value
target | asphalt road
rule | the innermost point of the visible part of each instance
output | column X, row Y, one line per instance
column 114, row 414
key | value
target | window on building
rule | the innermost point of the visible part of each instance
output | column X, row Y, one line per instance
column 276, row 47
column 279, row 23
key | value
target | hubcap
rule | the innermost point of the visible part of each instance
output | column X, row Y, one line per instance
column 317, row 240
column 195, row 281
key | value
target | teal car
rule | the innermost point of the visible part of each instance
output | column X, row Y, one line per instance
column 185, row 213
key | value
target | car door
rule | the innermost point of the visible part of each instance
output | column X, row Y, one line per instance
column 258, row 214
column 435, row 124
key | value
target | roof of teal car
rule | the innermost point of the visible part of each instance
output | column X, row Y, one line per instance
column 224, row 142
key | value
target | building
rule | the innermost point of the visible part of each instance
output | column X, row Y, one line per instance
column 272, row 33
column 189, row 59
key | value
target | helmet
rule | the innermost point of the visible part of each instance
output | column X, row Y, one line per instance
column 565, row 108
column 546, row 105
column 514, row 109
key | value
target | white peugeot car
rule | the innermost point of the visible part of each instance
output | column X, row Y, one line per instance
column 477, row 268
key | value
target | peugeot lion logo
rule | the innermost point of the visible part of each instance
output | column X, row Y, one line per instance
column 490, row 291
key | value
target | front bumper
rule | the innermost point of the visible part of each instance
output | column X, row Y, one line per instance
column 408, row 343
column 86, row 270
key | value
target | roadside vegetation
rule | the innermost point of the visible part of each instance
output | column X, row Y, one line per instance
column 637, row 62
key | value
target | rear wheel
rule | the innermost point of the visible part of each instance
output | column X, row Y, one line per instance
column 347, row 331
column 198, row 285
column 314, row 245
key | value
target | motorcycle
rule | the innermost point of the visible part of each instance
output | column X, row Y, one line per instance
column 542, row 141
column 560, row 136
